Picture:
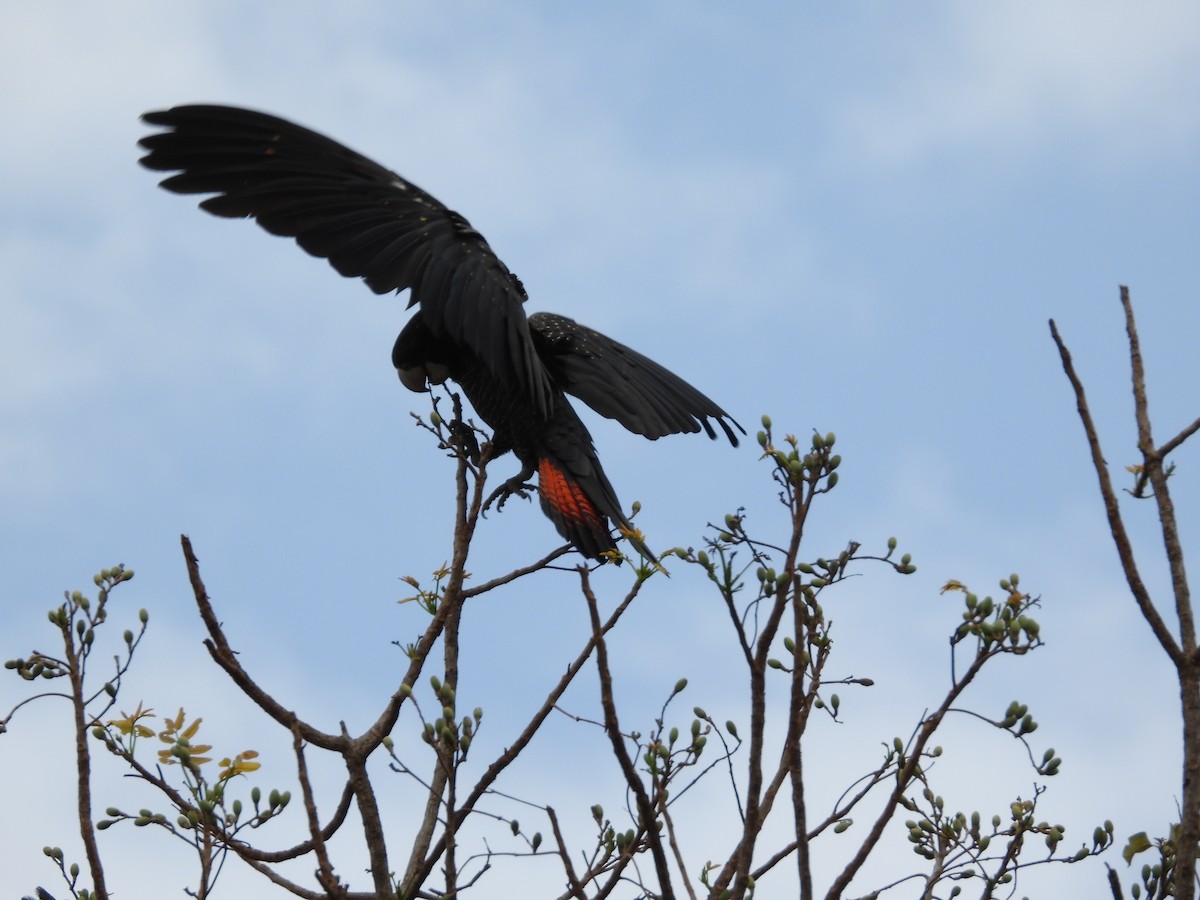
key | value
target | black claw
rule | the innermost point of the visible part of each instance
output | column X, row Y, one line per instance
column 515, row 485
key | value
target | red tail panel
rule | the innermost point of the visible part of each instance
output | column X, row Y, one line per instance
column 576, row 517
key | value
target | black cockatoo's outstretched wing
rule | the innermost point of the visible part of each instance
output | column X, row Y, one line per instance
column 471, row 325
column 622, row 384
column 365, row 219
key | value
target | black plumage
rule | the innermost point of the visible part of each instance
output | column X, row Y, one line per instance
column 470, row 325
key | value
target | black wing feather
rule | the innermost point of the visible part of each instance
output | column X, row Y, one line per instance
column 365, row 219
column 622, row 384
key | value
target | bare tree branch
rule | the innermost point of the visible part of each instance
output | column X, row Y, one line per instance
column 1152, row 459
column 1179, row 439
column 225, row 657
column 1184, row 654
column 576, row 887
column 646, row 817
column 83, row 764
column 1113, row 510
column 325, row 873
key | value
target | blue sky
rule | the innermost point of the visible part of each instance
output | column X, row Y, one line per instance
column 855, row 218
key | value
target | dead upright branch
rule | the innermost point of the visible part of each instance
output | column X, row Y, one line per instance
column 1182, row 652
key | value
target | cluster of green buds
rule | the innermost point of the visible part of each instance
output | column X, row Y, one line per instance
column 78, row 612
column 36, row 666
column 733, row 532
column 905, row 565
column 795, row 467
column 824, row 571
column 665, row 754
column 208, row 812
column 934, row 832
column 897, row 755
column 1023, row 822
column 70, row 873
column 106, row 579
column 1020, row 722
column 77, row 619
column 1018, row 719
column 937, row 834
column 998, row 624
column 276, row 801
column 611, row 841
column 608, row 839
column 446, row 732
column 664, row 757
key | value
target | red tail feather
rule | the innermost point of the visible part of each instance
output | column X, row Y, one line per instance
column 573, row 513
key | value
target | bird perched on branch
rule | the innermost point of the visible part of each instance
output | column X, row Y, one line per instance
column 470, row 325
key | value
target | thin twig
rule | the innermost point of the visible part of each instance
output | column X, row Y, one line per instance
column 542, row 563
column 505, row 759
column 758, row 804
column 664, row 810
column 245, row 851
column 1179, row 439
column 906, row 774
column 646, row 817
column 297, row 890
column 1113, row 510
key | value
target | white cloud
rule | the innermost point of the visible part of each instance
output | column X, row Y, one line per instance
column 1107, row 78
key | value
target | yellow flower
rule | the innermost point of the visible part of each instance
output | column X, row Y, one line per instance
column 181, row 751
column 180, row 741
column 239, row 765
column 129, row 724
column 171, row 734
